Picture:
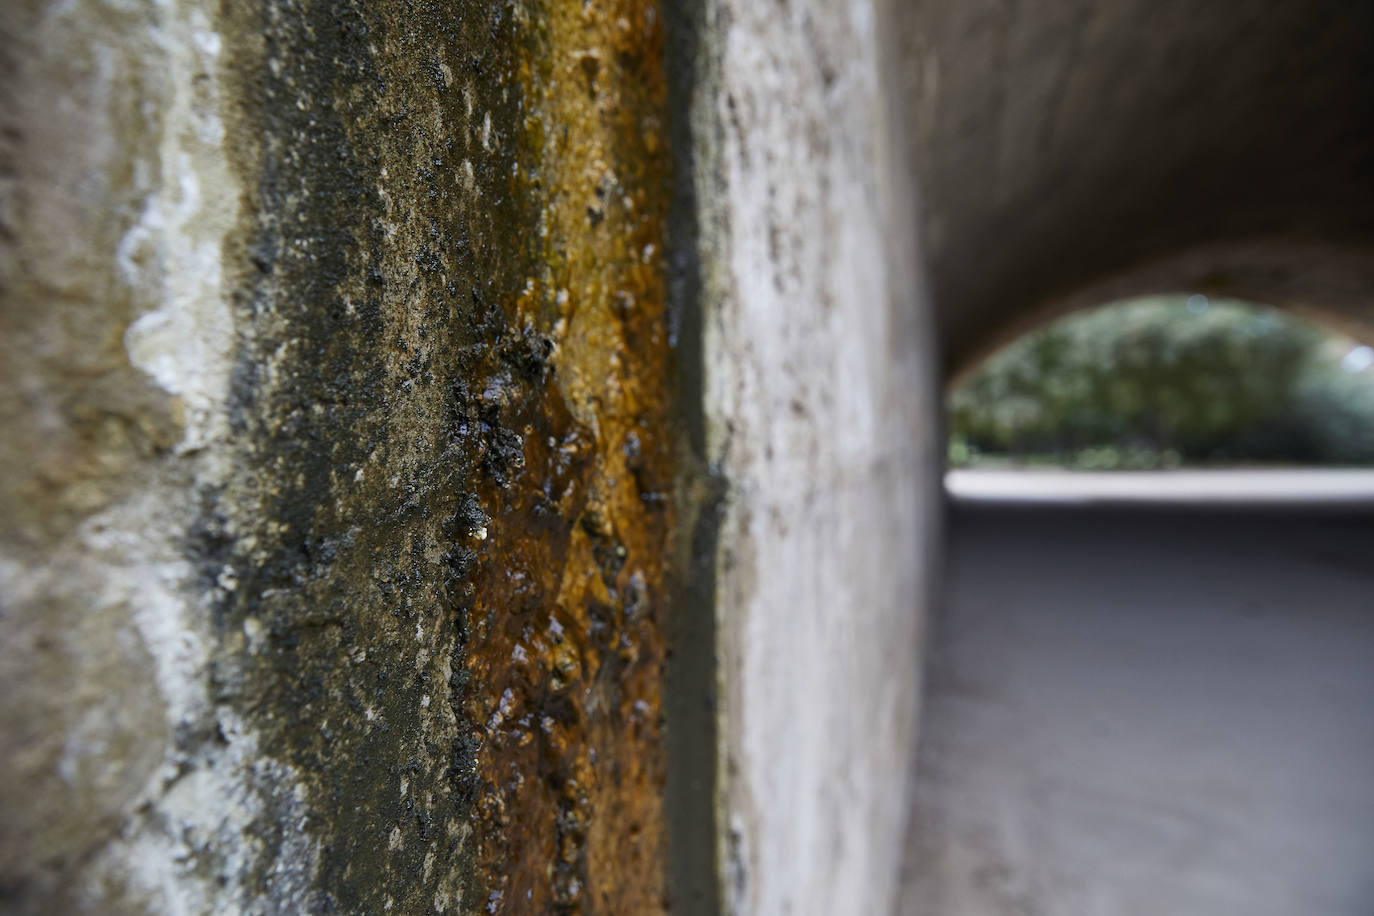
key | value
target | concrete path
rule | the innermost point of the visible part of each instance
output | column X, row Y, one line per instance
column 1339, row 487
column 1143, row 711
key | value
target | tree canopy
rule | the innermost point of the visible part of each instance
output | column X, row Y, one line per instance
column 1162, row 381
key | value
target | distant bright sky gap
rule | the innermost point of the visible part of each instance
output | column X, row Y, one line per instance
column 1358, row 359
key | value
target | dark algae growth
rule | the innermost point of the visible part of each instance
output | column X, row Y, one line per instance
column 442, row 560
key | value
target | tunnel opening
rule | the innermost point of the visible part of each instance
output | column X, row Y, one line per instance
column 1180, row 396
column 1158, row 708
column 1162, row 382
column 1147, row 680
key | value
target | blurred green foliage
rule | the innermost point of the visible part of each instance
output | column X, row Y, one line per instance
column 1165, row 381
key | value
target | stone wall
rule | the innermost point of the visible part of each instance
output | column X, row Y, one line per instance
column 821, row 420
column 459, row 457
column 342, row 470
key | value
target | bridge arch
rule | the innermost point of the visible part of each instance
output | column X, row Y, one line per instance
column 1076, row 152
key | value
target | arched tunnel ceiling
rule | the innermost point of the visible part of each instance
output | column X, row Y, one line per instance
column 1072, row 150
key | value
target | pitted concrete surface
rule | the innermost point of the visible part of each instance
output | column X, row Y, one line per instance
column 820, row 406
column 334, row 525
column 1136, row 712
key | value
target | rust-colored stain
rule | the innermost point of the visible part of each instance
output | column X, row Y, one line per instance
column 567, row 590
column 451, row 517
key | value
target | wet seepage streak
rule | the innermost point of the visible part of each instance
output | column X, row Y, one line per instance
column 443, row 564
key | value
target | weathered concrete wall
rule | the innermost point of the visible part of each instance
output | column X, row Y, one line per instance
column 821, row 420
column 117, row 336
column 359, row 473
column 340, row 476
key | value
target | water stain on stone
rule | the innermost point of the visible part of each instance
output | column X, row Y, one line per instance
column 450, row 523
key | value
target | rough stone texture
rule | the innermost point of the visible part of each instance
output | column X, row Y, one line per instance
column 350, row 496
column 115, row 340
column 338, row 522
column 1138, row 146
column 820, row 401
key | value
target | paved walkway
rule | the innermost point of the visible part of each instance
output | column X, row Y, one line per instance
column 1149, row 712
column 1244, row 487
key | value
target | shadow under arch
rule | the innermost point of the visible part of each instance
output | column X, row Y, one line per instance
column 1082, row 150
column 1330, row 285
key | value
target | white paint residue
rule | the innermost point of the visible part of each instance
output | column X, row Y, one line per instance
column 184, row 342
column 210, row 810
column 206, row 797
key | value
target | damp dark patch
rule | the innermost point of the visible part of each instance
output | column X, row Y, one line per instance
column 357, row 513
column 433, row 389
column 691, row 699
